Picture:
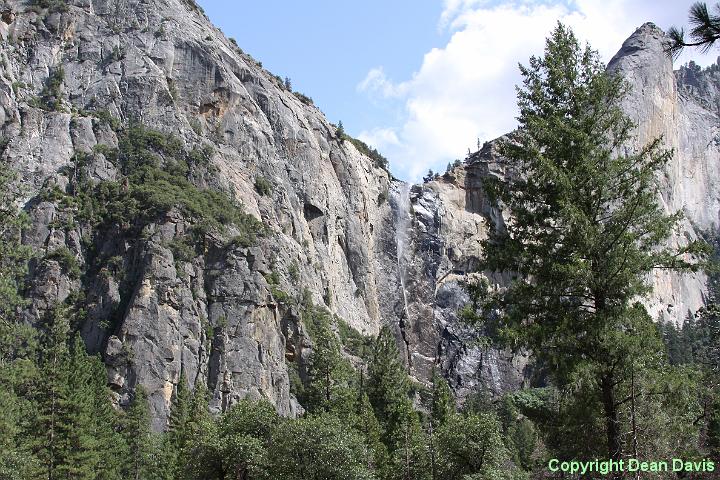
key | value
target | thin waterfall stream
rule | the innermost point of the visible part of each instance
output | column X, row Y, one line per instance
column 402, row 239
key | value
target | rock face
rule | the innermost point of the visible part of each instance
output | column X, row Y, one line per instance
column 372, row 250
column 683, row 109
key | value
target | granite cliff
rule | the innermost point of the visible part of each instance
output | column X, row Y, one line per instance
column 341, row 233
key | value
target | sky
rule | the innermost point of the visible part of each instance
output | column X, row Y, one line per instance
column 423, row 81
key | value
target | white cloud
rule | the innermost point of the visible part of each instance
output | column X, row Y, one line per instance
column 375, row 82
column 466, row 89
column 380, row 138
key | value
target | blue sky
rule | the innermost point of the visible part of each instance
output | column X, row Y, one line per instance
column 328, row 48
column 423, row 80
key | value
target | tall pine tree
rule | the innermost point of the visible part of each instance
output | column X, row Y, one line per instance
column 586, row 229
column 329, row 374
column 388, row 386
column 18, row 368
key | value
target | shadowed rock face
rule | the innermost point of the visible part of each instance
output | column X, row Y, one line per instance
column 335, row 218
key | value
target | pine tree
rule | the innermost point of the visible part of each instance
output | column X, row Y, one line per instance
column 328, row 388
column 142, row 445
column 411, row 459
column 703, row 337
column 106, row 422
column 705, row 31
column 49, row 445
column 199, row 429
column 388, row 386
column 18, row 369
column 443, row 403
column 73, row 431
column 587, row 228
column 177, row 434
column 76, row 425
column 16, row 457
column 180, row 408
column 365, row 422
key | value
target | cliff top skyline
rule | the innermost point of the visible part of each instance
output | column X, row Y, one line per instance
column 424, row 81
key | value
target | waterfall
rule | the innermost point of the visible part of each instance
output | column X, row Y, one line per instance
column 402, row 236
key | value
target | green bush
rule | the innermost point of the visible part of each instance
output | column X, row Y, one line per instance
column 17, row 86
column 315, row 319
column 353, row 341
column 157, row 168
column 294, row 271
column 200, row 156
column 304, row 98
column 51, row 97
column 67, row 261
column 263, row 186
column 196, row 126
column 4, row 142
column 183, row 249
column 106, row 118
column 378, row 159
column 279, row 295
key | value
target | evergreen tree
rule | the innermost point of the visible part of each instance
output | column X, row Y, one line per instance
column 18, row 368
column 411, row 457
column 145, row 459
column 388, row 386
column 443, row 403
column 177, row 436
column 106, row 421
column 703, row 336
column 49, row 445
column 587, row 229
column 16, row 457
column 705, row 29
column 328, row 387
column 524, row 437
column 199, row 429
column 442, row 407
column 365, row 422
column 78, row 439
column 74, row 430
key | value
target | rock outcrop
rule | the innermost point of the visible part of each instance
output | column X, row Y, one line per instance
column 683, row 110
column 370, row 249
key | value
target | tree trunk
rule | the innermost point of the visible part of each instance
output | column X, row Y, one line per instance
column 612, row 421
column 407, row 452
column 432, row 452
column 633, row 418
